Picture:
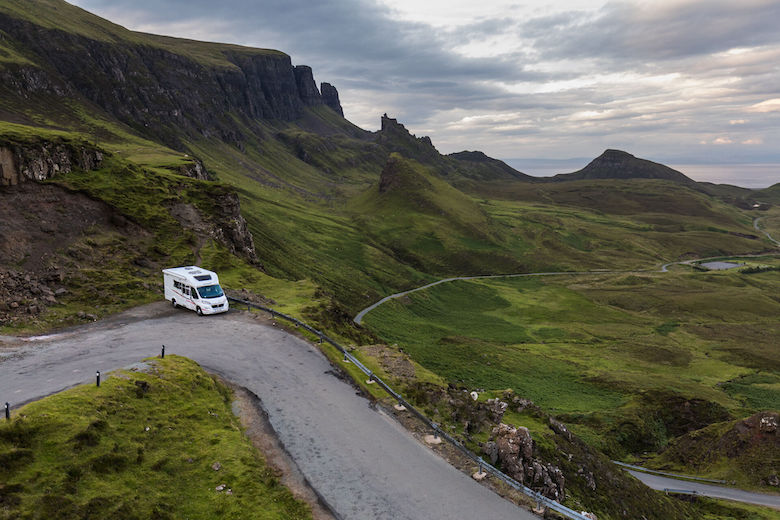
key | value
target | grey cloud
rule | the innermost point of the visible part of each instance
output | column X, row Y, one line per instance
column 654, row 32
column 409, row 70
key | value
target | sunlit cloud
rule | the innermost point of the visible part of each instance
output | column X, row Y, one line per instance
column 770, row 105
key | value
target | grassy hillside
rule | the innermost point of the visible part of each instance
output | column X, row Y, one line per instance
column 746, row 451
column 341, row 217
column 140, row 446
column 61, row 16
column 629, row 361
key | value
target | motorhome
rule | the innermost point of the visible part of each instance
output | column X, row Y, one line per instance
column 194, row 288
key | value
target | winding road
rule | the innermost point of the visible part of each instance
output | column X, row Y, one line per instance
column 663, row 269
column 363, row 463
column 758, row 228
column 662, row 483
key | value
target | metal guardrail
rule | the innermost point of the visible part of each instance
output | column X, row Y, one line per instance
column 664, row 473
column 437, row 431
column 681, row 491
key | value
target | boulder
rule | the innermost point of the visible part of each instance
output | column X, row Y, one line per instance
column 513, row 450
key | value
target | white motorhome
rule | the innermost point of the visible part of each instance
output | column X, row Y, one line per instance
column 194, row 288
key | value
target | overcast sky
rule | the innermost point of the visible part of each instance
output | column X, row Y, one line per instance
column 668, row 80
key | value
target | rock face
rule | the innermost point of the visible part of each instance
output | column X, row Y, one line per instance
column 307, row 88
column 153, row 89
column 41, row 160
column 330, row 96
column 225, row 224
column 513, row 449
column 617, row 164
column 396, row 138
column 195, row 170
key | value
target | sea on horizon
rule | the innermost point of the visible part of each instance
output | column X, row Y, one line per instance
column 746, row 175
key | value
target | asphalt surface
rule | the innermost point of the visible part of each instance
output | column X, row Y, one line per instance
column 662, row 483
column 362, row 462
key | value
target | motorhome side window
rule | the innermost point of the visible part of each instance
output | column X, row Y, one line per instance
column 178, row 285
column 193, row 293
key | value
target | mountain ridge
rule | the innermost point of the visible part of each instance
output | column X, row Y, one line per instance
column 617, row 164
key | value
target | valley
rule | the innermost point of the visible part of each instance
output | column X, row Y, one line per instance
column 123, row 153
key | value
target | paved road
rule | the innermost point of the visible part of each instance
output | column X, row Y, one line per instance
column 661, row 483
column 363, row 463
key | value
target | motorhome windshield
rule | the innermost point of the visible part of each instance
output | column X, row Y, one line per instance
column 210, row 291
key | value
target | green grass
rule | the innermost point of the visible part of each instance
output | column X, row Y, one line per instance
column 140, row 446
column 53, row 14
column 606, row 352
column 711, row 509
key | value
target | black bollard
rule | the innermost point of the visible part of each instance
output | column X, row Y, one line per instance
column 97, row 377
column 7, row 412
column 162, row 354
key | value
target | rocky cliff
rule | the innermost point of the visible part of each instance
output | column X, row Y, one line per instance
column 160, row 90
column 330, row 96
column 396, row 138
column 41, row 160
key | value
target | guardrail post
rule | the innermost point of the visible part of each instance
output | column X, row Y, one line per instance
column 7, row 412
column 97, row 378
column 320, row 338
column 345, row 357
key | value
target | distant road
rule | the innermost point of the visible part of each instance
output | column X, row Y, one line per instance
column 661, row 483
column 363, row 463
column 758, row 228
column 663, row 269
column 359, row 317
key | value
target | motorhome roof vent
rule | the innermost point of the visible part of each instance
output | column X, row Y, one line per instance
column 203, row 277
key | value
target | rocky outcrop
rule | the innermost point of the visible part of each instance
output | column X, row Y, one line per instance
column 513, row 449
column 396, row 138
column 330, row 96
column 307, row 88
column 195, row 170
column 222, row 223
column 42, row 160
